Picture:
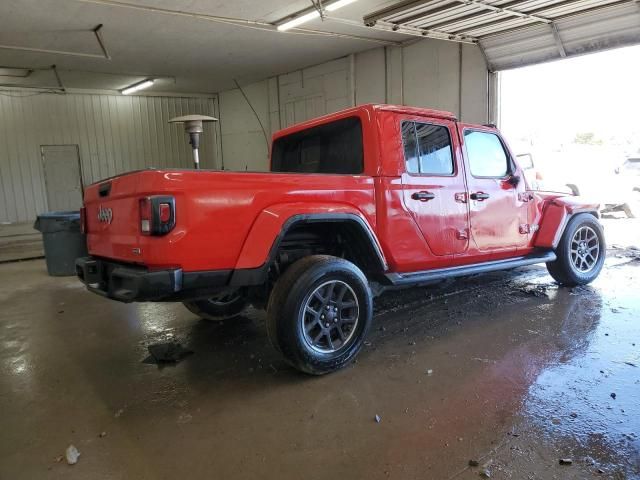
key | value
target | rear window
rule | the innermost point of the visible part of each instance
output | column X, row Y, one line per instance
column 334, row 147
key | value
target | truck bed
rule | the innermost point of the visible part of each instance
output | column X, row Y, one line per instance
column 218, row 207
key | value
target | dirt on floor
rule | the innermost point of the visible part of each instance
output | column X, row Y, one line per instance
column 501, row 375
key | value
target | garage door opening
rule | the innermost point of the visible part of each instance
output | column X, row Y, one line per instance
column 575, row 122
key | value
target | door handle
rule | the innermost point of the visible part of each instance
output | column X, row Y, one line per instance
column 423, row 196
column 480, row 196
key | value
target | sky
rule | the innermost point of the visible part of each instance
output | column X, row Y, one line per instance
column 550, row 103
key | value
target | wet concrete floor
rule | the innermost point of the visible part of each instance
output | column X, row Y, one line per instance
column 506, row 369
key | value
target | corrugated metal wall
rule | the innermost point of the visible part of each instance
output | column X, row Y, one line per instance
column 114, row 133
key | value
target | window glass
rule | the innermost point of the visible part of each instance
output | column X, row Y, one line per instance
column 434, row 146
column 334, row 147
column 486, row 155
column 410, row 146
column 427, row 149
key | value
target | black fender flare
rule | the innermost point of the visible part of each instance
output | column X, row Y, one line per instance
column 257, row 276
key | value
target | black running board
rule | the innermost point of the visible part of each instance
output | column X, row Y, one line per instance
column 464, row 270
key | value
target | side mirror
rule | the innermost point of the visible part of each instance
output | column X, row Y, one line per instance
column 514, row 180
column 525, row 160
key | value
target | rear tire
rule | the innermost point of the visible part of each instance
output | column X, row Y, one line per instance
column 319, row 313
column 581, row 252
column 218, row 308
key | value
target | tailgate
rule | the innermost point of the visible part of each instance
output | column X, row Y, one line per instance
column 112, row 217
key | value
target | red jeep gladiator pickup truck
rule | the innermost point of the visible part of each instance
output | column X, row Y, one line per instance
column 368, row 198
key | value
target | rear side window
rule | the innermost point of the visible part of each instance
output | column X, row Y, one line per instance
column 486, row 154
column 427, row 149
column 410, row 143
column 334, row 147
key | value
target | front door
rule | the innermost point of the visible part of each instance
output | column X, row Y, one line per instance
column 433, row 185
column 497, row 212
column 61, row 165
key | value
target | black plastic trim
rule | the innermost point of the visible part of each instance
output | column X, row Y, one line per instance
column 416, row 278
column 104, row 189
column 157, row 227
column 129, row 283
column 257, row 276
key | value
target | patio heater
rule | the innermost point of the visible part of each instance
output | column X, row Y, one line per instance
column 193, row 126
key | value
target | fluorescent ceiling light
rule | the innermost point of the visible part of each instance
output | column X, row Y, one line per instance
column 137, row 86
column 14, row 72
column 339, row 4
column 283, row 27
column 308, row 15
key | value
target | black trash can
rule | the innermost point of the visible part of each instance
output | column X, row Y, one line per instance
column 63, row 241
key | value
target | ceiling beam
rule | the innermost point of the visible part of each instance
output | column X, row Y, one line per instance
column 505, row 9
column 450, row 21
column 399, row 8
column 558, row 40
column 98, row 33
column 238, row 22
column 487, row 62
column 98, row 36
column 533, row 12
column 555, row 19
column 409, row 30
column 444, row 23
column 58, row 79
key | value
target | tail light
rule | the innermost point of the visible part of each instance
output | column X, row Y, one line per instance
column 83, row 220
column 157, row 215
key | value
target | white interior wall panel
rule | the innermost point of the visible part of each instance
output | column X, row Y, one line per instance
column 243, row 141
column 474, row 87
column 431, row 76
column 315, row 91
column 114, row 134
column 393, row 75
column 428, row 73
column 369, row 76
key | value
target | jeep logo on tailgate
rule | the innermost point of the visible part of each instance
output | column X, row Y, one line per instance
column 105, row 215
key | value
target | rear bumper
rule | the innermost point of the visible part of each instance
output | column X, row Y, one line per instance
column 129, row 283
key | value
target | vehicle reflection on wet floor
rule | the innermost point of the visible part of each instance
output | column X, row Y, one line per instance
column 506, row 369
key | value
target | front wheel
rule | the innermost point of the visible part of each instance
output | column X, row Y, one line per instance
column 581, row 252
column 220, row 307
column 319, row 313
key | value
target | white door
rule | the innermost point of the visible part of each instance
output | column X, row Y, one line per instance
column 61, row 165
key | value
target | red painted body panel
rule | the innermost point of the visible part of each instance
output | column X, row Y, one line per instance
column 227, row 220
column 270, row 221
column 402, row 241
column 552, row 214
column 214, row 213
column 495, row 222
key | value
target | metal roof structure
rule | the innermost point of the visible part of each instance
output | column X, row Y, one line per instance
column 515, row 33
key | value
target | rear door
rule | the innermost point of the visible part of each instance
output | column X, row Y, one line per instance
column 434, row 184
column 497, row 202
column 61, row 165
